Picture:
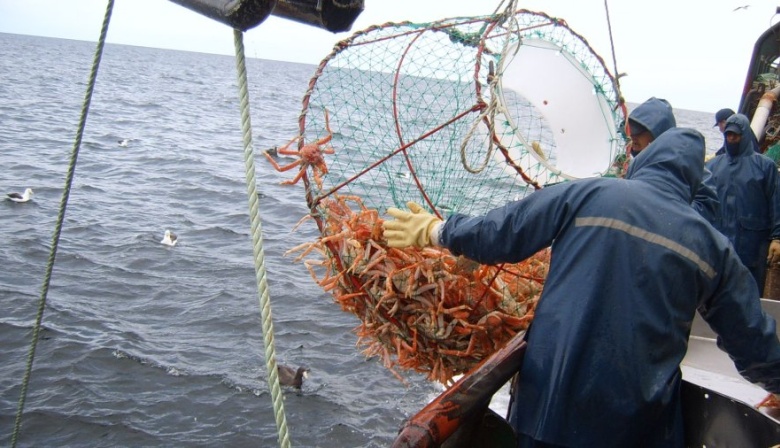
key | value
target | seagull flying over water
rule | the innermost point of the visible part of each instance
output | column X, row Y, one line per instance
column 741, row 7
column 170, row 238
column 289, row 376
column 16, row 197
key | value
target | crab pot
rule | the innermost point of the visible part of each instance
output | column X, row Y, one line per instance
column 332, row 15
column 238, row 14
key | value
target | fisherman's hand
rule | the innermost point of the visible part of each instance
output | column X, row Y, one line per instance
column 773, row 256
column 412, row 228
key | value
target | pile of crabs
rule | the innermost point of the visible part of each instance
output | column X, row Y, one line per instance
column 420, row 309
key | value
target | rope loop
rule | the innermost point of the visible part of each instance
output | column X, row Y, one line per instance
column 488, row 115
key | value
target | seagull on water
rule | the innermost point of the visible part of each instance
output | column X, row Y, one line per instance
column 170, row 238
column 289, row 376
column 16, row 197
column 273, row 151
column 124, row 142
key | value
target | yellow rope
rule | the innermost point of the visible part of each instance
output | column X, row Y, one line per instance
column 60, row 219
column 257, row 245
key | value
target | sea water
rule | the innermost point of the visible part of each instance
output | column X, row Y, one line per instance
column 148, row 345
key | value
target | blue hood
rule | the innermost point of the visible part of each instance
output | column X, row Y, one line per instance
column 749, row 142
column 674, row 162
column 655, row 115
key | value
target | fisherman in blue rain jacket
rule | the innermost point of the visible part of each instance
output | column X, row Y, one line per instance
column 747, row 186
column 651, row 119
column 631, row 263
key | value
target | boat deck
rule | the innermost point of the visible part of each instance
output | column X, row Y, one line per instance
column 708, row 366
column 704, row 365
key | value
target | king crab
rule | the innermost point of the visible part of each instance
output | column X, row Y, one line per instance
column 310, row 154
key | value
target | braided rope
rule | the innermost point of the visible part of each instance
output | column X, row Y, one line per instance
column 257, row 245
column 265, row 308
column 60, row 219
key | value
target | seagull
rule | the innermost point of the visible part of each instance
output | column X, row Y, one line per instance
column 741, row 7
column 170, row 238
column 289, row 376
column 16, row 197
column 124, row 142
column 273, row 151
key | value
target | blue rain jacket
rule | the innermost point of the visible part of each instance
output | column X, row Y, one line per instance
column 747, row 185
column 631, row 263
column 657, row 117
column 706, row 200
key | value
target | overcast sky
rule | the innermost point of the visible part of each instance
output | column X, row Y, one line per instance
column 693, row 53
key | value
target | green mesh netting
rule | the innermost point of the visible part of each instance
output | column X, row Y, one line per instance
column 771, row 139
column 773, row 152
column 460, row 115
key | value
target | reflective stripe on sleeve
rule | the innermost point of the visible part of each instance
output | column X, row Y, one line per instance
column 650, row 237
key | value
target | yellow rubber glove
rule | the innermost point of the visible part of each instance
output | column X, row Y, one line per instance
column 411, row 228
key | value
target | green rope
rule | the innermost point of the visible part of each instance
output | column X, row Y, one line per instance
column 257, row 246
column 60, row 219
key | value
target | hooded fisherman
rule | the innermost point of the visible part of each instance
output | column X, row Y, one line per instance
column 747, row 185
column 602, row 366
column 651, row 119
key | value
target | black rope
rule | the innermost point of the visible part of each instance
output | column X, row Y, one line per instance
column 614, row 59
